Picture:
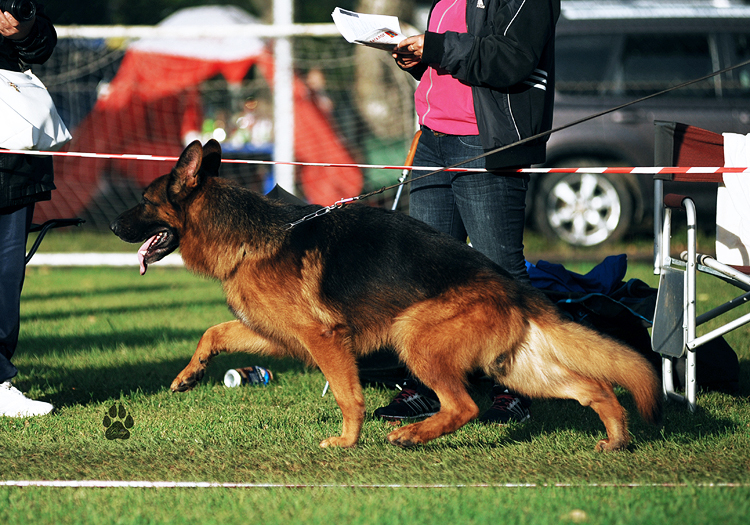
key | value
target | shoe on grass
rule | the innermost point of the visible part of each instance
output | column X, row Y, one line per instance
column 14, row 404
column 506, row 408
column 414, row 401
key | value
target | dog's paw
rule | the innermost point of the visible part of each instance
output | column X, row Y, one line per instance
column 337, row 441
column 181, row 386
column 406, row 436
column 607, row 445
column 117, row 421
column 185, row 382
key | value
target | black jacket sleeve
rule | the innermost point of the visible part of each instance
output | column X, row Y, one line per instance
column 502, row 58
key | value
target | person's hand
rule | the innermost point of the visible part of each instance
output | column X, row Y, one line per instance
column 408, row 52
column 12, row 29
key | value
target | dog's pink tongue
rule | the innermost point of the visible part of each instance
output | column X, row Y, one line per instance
column 142, row 251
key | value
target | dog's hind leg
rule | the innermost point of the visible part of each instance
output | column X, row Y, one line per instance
column 562, row 383
column 437, row 356
column 601, row 398
column 442, row 339
column 232, row 336
column 456, row 409
column 567, row 361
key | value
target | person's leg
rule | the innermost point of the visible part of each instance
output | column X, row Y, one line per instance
column 431, row 198
column 492, row 208
column 14, row 225
column 14, row 228
column 489, row 207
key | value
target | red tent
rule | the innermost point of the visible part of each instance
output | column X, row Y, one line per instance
column 153, row 100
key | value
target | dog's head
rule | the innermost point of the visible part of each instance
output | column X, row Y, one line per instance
column 157, row 219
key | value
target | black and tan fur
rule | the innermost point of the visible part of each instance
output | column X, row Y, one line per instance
column 357, row 279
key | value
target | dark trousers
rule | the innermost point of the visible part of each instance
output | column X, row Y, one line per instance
column 14, row 230
column 489, row 208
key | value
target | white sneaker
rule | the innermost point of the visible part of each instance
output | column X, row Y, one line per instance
column 14, row 404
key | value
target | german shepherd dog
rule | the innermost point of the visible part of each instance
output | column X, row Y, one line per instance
column 358, row 279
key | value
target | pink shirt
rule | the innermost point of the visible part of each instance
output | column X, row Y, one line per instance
column 443, row 103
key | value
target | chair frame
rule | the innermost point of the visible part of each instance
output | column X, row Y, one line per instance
column 674, row 332
column 44, row 228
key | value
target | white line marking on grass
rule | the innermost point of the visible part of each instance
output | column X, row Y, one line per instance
column 208, row 484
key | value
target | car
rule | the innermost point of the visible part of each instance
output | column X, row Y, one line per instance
column 607, row 56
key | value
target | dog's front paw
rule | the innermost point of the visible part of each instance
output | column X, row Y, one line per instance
column 185, row 382
column 337, row 441
column 608, row 445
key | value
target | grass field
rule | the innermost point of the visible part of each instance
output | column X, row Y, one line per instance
column 94, row 338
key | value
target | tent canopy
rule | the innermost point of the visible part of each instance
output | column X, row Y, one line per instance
column 154, row 99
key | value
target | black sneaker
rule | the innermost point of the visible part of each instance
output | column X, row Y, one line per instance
column 506, row 407
column 414, row 401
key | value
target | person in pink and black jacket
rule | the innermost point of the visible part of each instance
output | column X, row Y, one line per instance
column 486, row 80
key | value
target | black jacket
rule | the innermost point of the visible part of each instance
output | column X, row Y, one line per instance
column 25, row 178
column 507, row 57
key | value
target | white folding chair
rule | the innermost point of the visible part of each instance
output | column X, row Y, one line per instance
column 675, row 321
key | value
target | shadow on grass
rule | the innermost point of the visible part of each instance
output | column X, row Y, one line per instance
column 558, row 415
column 146, row 286
column 101, row 384
column 82, row 344
column 744, row 378
column 678, row 424
column 168, row 304
column 114, row 374
column 104, row 383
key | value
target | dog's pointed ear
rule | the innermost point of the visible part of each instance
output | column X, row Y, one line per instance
column 185, row 176
column 212, row 157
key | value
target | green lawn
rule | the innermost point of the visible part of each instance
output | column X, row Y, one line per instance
column 93, row 338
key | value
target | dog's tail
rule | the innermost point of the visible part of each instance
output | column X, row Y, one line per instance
column 601, row 358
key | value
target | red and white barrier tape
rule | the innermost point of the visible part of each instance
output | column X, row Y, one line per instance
column 644, row 170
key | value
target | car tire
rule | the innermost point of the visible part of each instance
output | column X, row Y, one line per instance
column 582, row 208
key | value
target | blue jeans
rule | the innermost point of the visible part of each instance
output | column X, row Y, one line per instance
column 14, row 228
column 487, row 208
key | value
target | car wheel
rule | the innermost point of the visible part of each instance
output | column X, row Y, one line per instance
column 582, row 209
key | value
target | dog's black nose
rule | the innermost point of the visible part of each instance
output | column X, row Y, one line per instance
column 115, row 227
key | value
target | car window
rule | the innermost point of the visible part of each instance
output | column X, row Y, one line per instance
column 634, row 65
column 738, row 80
column 652, row 63
column 581, row 63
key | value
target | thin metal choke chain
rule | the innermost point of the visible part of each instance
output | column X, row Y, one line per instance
column 322, row 211
column 342, row 202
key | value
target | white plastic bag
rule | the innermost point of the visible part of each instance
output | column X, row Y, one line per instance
column 28, row 117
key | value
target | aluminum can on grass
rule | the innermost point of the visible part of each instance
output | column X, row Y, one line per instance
column 249, row 375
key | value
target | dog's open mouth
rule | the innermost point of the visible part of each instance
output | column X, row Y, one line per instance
column 155, row 248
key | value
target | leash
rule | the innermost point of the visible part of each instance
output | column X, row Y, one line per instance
column 342, row 202
column 402, row 181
